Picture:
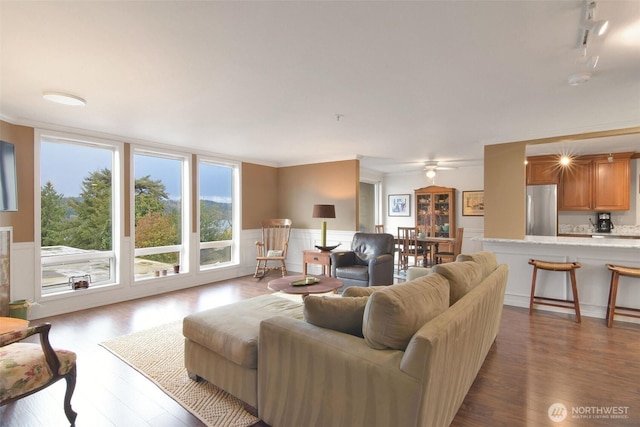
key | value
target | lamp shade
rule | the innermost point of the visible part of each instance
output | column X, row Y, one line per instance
column 324, row 211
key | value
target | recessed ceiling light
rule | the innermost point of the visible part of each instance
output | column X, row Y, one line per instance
column 579, row 78
column 64, row 99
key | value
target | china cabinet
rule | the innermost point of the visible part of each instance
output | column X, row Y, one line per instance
column 435, row 211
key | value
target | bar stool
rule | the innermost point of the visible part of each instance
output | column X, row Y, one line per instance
column 569, row 267
column 616, row 272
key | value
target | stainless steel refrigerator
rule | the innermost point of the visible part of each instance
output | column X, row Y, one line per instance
column 542, row 210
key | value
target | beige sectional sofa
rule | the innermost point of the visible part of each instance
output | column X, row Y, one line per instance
column 221, row 343
column 402, row 355
column 423, row 344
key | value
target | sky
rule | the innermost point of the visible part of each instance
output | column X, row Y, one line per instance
column 66, row 165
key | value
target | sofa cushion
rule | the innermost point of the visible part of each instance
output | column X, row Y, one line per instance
column 486, row 259
column 394, row 314
column 361, row 291
column 232, row 330
column 462, row 277
column 415, row 272
column 340, row 314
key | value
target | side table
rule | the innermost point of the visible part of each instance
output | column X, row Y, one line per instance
column 315, row 256
column 284, row 284
column 10, row 324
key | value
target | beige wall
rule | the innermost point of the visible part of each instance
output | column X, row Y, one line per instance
column 504, row 183
column 21, row 221
column 263, row 188
column 259, row 194
column 291, row 192
column 337, row 183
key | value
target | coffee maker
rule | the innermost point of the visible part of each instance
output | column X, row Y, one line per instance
column 604, row 222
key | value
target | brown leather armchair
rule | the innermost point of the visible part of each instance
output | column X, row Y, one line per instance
column 368, row 263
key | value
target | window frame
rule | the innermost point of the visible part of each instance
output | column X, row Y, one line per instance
column 117, row 201
column 234, row 243
column 183, row 248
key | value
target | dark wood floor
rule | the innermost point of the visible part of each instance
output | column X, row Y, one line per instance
column 535, row 362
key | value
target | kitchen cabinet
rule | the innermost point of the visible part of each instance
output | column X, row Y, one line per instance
column 542, row 170
column 575, row 186
column 590, row 183
column 610, row 197
column 596, row 183
column 435, row 211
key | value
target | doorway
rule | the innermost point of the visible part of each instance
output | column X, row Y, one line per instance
column 368, row 203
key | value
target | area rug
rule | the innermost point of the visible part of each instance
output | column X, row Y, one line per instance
column 158, row 354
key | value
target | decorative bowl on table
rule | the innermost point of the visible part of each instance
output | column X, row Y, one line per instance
column 305, row 281
column 327, row 248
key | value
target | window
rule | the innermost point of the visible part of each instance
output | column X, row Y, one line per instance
column 218, row 222
column 77, row 205
column 161, row 214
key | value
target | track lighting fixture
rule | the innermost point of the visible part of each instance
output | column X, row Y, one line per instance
column 589, row 26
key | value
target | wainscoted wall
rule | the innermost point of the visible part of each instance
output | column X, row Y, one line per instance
column 24, row 281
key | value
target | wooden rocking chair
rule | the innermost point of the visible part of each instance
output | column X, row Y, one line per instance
column 273, row 247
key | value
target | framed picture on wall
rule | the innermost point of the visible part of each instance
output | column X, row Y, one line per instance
column 473, row 203
column 399, row 204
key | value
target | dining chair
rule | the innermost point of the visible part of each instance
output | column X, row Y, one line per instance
column 379, row 228
column 450, row 256
column 408, row 247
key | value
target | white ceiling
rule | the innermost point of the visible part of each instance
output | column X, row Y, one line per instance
column 265, row 81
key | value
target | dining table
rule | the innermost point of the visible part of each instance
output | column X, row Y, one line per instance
column 430, row 241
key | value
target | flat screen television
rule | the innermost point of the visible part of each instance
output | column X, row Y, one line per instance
column 8, row 178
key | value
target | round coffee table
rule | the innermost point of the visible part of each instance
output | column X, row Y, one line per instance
column 325, row 284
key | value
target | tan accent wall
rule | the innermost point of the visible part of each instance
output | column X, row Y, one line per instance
column 22, row 220
column 504, row 190
column 259, row 194
column 337, row 183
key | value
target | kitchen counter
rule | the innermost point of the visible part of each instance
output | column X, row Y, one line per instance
column 593, row 277
column 569, row 241
column 611, row 235
column 624, row 231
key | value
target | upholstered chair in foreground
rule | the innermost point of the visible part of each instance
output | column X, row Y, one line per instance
column 27, row 368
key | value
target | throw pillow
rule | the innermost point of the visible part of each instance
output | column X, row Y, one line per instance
column 340, row 314
column 462, row 276
column 273, row 253
column 485, row 258
column 393, row 315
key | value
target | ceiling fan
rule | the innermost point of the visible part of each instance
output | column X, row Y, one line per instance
column 434, row 165
column 431, row 167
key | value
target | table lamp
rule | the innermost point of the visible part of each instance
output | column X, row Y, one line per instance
column 324, row 211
